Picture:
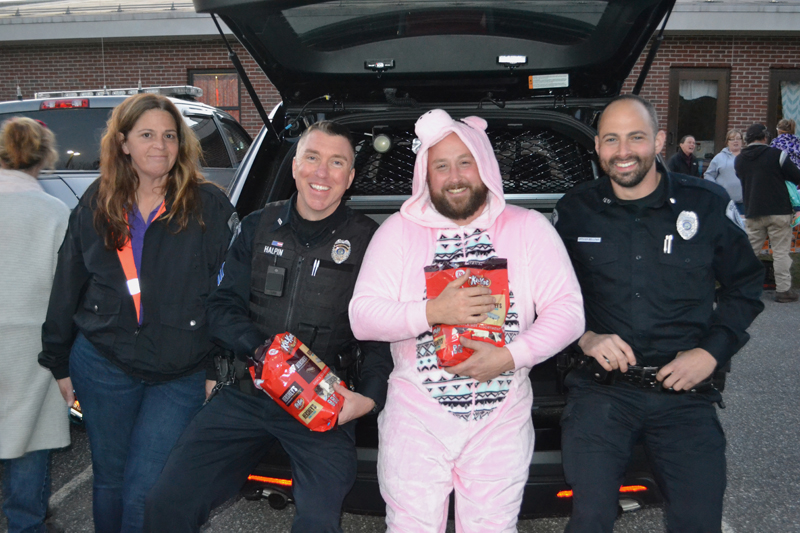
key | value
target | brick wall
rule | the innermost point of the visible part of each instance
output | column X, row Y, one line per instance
column 53, row 67
column 748, row 58
column 43, row 67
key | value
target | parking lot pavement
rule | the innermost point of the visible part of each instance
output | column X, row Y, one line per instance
column 761, row 421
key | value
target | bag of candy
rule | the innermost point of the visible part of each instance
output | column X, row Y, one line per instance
column 492, row 273
column 298, row 381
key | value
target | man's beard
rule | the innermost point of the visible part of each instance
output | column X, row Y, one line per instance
column 463, row 209
column 628, row 180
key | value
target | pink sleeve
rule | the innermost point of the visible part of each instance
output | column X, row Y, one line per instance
column 379, row 311
column 555, row 293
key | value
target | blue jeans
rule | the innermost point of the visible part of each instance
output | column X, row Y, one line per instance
column 26, row 488
column 132, row 426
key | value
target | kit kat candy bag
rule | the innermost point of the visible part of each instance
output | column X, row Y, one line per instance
column 298, row 381
column 493, row 274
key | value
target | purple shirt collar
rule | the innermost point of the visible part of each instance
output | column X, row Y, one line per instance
column 138, row 228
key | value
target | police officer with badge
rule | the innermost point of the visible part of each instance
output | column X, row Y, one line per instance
column 648, row 247
column 292, row 267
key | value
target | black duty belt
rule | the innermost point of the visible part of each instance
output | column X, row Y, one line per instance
column 643, row 377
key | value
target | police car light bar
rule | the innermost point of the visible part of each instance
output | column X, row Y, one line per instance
column 65, row 103
column 174, row 90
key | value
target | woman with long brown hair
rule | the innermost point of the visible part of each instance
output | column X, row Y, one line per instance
column 126, row 324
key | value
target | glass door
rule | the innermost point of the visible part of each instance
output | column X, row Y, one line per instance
column 698, row 106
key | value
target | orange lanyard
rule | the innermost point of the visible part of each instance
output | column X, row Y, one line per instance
column 129, row 267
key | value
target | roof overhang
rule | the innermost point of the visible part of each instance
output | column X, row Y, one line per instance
column 48, row 21
column 735, row 17
column 80, row 20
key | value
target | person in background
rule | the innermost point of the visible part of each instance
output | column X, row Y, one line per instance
column 787, row 141
column 33, row 418
column 126, row 324
column 721, row 171
column 767, row 205
column 684, row 161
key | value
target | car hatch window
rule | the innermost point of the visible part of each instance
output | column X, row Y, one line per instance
column 215, row 154
column 238, row 139
column 78, row 133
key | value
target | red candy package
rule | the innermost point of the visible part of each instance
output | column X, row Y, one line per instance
column 298, row 380
column 492, row 273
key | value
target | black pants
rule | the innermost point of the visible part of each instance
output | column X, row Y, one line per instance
column 222, row 446
column 683, row 439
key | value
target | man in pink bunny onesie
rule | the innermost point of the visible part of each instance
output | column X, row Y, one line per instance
column 466, row 428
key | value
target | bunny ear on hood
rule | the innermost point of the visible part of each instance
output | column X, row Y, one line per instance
column 431, row 128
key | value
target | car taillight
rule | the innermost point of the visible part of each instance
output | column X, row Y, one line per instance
column 633, row 488
column 66, row 103
column 273, row 480
column 623, row 488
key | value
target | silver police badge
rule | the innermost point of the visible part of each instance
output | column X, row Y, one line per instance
column 341, row 251
column 687, row 224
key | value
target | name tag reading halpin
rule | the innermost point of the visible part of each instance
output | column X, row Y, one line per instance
column 687, row 224
column 340, row 251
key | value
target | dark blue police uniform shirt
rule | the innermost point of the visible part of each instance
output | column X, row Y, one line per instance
column 654, row 288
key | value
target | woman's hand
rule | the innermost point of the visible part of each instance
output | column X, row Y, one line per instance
column 65, row 386
column 210, row 384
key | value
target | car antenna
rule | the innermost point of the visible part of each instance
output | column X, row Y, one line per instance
column 249, row 86
column 103, row 59
column 19, row 91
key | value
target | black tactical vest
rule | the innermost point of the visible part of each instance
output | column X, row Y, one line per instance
column 317, row 281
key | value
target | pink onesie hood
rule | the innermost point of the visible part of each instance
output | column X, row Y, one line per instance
column 431, row 128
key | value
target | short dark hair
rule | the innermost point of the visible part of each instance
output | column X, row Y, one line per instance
column 683, row 139
column 636, row 98
column 756, row 132
column 332, row 128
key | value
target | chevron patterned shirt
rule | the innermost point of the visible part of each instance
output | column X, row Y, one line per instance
column 463, row 396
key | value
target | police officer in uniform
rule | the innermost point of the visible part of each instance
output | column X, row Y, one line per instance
column 648, row 247
column 291, row 268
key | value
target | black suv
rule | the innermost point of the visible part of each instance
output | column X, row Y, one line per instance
column 78, row 119
column 538, row 71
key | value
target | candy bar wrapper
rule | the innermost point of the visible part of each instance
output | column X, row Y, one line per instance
column 492, row 273
column 298, row 381
column 447, row 341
